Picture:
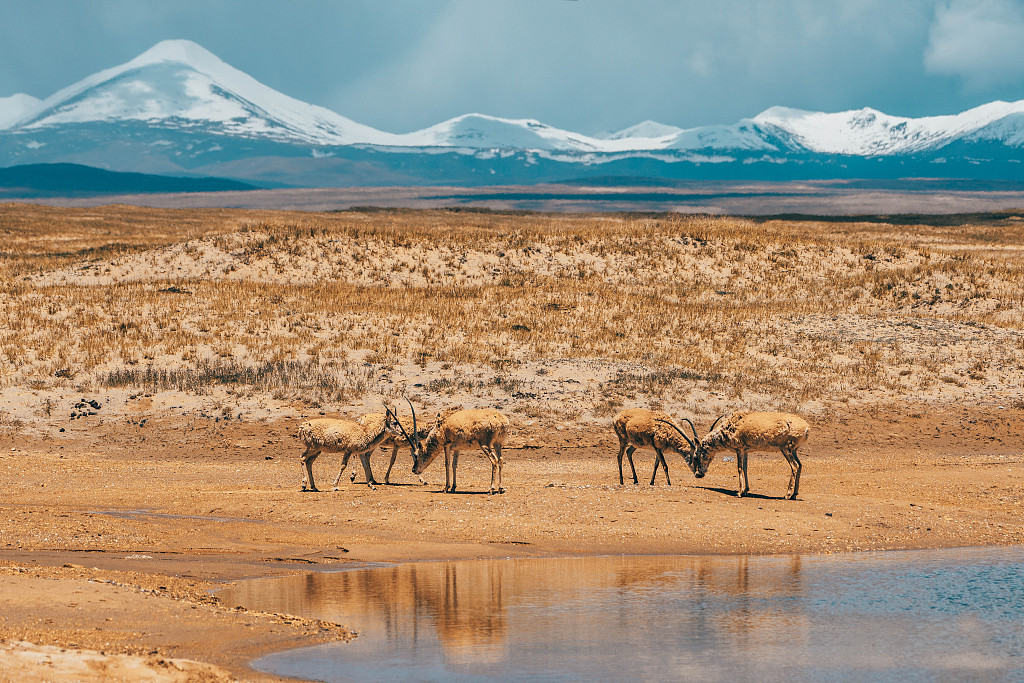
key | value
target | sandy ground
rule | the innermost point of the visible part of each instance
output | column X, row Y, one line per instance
column 114, row 533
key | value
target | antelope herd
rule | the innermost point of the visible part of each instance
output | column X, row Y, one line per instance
column 456, row 429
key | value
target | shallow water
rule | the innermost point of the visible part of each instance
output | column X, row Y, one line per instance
column 922, row 615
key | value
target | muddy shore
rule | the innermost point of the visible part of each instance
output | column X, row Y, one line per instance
column 114, row 536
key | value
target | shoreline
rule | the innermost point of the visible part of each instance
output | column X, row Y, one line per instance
column 100, row 519
column 122, row 662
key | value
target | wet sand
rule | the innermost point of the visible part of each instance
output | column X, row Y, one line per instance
column 114, row 535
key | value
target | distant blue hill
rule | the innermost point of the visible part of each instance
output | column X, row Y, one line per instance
column 75, row 180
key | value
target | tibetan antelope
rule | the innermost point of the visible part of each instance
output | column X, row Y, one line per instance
column 456, row 429
column 746, row 431
column 642, row 428
column 416, row 434
column 346, row 437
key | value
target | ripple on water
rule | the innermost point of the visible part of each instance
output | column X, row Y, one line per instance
column 921, row 615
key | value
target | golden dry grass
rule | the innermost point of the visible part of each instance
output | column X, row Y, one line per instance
column 663, row 310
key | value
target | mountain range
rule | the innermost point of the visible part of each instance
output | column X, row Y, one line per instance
column 177, row 109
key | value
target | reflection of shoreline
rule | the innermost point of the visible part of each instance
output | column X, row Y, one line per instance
column 472, row 607
column 929, row 615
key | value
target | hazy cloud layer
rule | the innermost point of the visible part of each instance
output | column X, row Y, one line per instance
column 980, row 41
column 587, row 65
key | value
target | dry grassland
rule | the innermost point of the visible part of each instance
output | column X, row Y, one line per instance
column 153, row 364
column 546, row 315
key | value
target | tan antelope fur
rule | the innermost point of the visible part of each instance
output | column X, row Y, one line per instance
column 456, row 429
column 394, row 441
column 642, row 428
column 346, row 437
column 746, row 431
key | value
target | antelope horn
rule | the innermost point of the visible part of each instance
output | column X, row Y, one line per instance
column 399, row 422
column 681, row 432
column 714, row 423
column 695, row 437
column 415, row 431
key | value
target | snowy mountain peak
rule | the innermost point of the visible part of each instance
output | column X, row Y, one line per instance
column 645, row 129
column 869, row 132
column 179, row 86
column 15, row 107
column 182, row 51
column 178, row 83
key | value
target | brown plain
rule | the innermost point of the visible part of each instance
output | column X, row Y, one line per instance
column 154, row 364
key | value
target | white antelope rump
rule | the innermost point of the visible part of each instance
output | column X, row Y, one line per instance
column 457, row 429
column 746, row 431
column 642, row 428
column 346, row 437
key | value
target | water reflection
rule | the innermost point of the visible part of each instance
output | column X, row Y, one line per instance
column 713, row 618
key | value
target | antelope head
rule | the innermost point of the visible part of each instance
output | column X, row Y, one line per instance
column 697, row 459
column 426, row 454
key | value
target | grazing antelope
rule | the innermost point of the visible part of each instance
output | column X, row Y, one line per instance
column 456, row 429
column 346, row 437
column 746, row 431
column 642, row 428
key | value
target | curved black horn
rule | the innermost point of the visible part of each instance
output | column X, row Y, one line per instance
column 714, row 423
column 415, row 432
column 395, row 415
column 695, row 437
column 675, row 427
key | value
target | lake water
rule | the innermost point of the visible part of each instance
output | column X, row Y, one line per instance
column 920, row 615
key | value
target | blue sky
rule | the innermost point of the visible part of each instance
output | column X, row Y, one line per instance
column 587, row 65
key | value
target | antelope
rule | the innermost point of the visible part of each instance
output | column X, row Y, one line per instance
column 416, row 433
column 456, row 429
column 640, row 428
column 346, row 437
column 746, row 431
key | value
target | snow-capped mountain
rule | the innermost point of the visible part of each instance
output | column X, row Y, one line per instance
column 490, row 132
column 180, row 84
column 177, row 108
column 15, row 107
column 867, row 132
column 645, row 129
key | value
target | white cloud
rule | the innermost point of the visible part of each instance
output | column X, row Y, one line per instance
column 979, row 41
column 604, row 65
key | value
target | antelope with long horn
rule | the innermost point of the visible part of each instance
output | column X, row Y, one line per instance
column 413, row 435
column 746, row 431
column 456, row 429
column 641, row 428
column 346, row 437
